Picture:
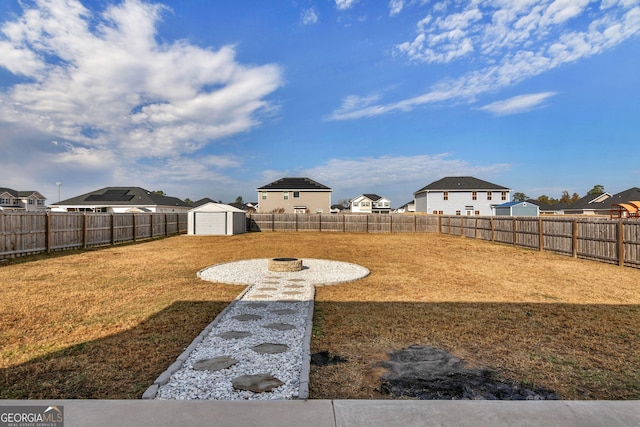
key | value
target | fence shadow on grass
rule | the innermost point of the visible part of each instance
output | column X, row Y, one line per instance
column 119, row 366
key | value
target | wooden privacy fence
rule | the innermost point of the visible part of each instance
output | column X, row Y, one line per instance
column 614, row 241
column 25, row 233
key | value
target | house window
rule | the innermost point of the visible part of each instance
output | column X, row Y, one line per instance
column 440, row 213
column 30, row 201
column 504, row 195
column 488, row 195
column 40, row 202
column 477, row 212
column 457, row 212
column 4, row 201
column 264, row 195
column 296, row 194
column 285, row 195
column 435, row 212
column 474, row 195
column 445, row 195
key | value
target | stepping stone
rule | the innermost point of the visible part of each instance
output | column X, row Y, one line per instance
column 260, row 296
column 247, row 317
column 269, row 348
column 295, row 280
column 270, row 283
column 284, row 311
column 292, row 293
column 235, row 334
column 294, row 286
column 256, row 383
column 214, row 364
column 280, row 326
column 267, row 289
column 256, row 305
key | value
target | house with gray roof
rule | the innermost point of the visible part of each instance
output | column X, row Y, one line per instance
column 294, row 195
column 591, row 204
column 122, row 199
column 20, row 201
column 370, row 203
column 460, row 195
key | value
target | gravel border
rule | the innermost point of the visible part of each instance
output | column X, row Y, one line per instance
column 181, row 381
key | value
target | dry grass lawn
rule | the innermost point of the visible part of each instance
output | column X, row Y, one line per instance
column 104, row 323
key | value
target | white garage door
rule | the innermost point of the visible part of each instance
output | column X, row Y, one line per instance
column 210, row 223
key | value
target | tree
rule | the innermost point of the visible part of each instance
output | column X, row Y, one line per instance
column 597, row 189
column 188, row 201
column 547, row 200
column 345, row 203
column 239, row 199
column 158, row 192
column 519, row 197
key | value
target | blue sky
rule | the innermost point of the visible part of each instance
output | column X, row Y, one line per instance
column 205, row 98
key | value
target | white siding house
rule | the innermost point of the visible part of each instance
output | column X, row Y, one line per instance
column 460, row 195
column 370, row 203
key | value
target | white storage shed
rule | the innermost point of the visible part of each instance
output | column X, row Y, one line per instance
column 216, row 219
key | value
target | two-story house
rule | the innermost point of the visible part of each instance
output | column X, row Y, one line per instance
column 294, row 195
column 370, row 203
column 460, row 195
column 12, row 200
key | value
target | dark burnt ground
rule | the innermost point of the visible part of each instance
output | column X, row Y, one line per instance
column 430, row 373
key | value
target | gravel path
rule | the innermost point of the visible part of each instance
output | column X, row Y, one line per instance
column 276, row 309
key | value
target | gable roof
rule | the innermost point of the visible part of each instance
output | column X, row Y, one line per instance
column 372, row 197
column 591, row 201
column 461, row 183
column 202, row 201
column 293, row 183
column 15, row 193
column 625, row 196
column 122, row 196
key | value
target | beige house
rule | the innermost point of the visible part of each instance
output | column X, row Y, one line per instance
column 294, row 195
column 12, row 200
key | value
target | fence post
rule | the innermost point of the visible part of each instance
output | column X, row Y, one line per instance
column 135, row 228
column 367, row 222
column 415, row 223
column 620, row 238
column 515, row 231
column 113, row 228
column 48, row 233
column 273, row 221
column 493, row 230
column 166, row 224
column 320, row 222
column 540, row 235
column 574, row 238
column 151, row 223
column 439, row 224
column 344, row 223
column 84, row 230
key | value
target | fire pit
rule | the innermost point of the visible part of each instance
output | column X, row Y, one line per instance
column 285, row 265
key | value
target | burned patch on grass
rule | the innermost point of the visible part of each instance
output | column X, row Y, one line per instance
column 429, row 373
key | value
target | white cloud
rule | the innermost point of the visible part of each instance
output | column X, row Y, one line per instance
column 105, row 87
column 506, row 42
column 345, row 4
column 309, row 16
column 518, row 104
column 395, row 7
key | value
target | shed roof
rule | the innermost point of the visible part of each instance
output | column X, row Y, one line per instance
column 215, row 207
